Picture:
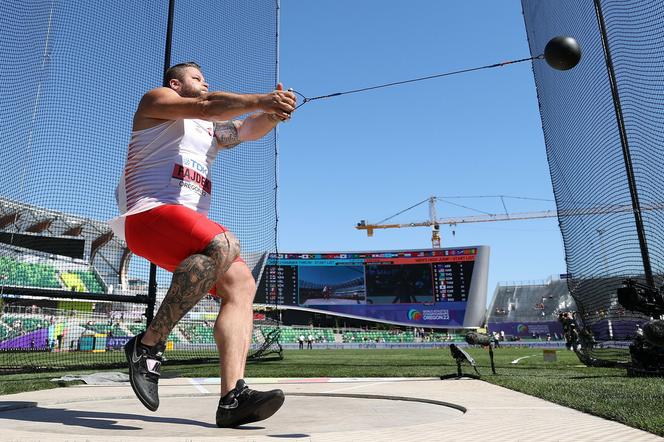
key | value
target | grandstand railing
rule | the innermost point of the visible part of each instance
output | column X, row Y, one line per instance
column 60, row 294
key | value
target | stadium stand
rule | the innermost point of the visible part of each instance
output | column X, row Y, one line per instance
column 105, row 267
column 378, row 336
column 105, row 254
column 91, row 280
column 200, row 334
column 26, row 328
column 401, row 336
column 73, row 282
column 27, row 274
column 291, row 334
column 530, row 302
column 30, row 269
column 529, row 310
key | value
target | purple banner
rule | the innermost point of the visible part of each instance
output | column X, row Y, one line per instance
column 612, row 329
column 604, row 330
column 527, row 329
column 443, row 314
column 36, row 340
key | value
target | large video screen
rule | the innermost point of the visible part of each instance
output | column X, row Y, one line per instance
column 55, row 245
column 410, row 287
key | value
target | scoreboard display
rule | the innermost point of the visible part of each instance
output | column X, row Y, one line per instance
column 434, row 287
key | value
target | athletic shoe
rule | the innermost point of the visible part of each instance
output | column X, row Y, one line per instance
column 243, row 405
column 144, row 366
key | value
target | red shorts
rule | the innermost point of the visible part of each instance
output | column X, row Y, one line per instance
column 168, row 234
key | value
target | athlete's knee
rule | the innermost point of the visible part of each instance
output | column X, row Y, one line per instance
column 223, row 249
column 250, row 288
column 237, row 285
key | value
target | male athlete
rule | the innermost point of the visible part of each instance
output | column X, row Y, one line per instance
column 164, row 198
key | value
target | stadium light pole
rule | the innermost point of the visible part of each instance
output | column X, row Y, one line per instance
column 152, row 284
column 629, row 168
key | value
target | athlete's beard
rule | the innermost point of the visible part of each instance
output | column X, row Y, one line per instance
column 191, row 92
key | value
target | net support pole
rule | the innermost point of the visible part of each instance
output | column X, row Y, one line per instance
column 169, row 39
column 636, row 207
column 152, row 284
column 276, row 156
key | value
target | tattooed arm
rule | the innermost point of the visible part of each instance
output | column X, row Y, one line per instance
column 231, row 133
column 227, row 133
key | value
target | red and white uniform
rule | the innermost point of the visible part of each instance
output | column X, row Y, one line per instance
column 164, row 192
column 167, row 164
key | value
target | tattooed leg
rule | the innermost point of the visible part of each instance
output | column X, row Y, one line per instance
column 192, row 280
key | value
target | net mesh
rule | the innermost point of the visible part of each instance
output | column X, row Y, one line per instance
column 74, row 73
column 585, row 155
column 81, row 334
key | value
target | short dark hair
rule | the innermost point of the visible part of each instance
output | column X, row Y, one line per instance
column 175, row 72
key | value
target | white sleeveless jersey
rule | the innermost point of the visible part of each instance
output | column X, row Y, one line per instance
column 167, row 164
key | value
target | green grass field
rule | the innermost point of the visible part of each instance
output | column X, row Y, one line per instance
column 605, row 392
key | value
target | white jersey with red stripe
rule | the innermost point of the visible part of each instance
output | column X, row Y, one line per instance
column 167, row 164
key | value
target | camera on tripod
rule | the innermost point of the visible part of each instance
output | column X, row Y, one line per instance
column 639, row 297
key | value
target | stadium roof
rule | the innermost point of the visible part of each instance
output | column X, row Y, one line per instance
column 109, row 255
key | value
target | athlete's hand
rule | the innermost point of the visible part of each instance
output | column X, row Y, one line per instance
column 279, row 103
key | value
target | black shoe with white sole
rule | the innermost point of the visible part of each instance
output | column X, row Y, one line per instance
column 242, row 405
column 144, row 368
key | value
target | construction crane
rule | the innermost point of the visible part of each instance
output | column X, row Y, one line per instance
column 435, row 223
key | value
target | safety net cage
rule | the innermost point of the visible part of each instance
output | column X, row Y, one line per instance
column 72, row 76
column 587, row 160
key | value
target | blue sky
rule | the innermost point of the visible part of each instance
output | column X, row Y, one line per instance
column 373, row 154
column 363, row 156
